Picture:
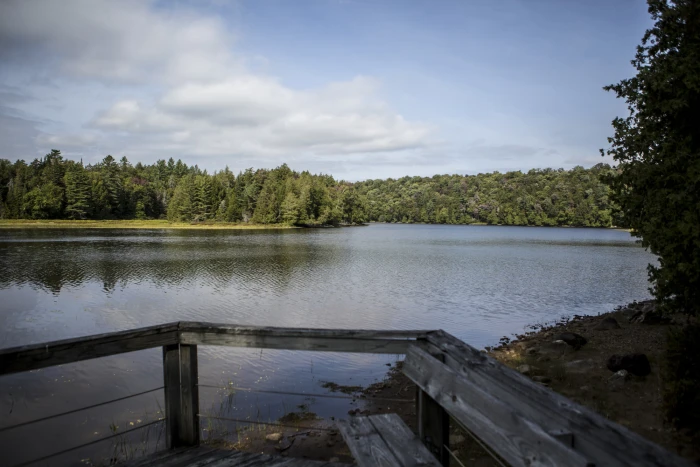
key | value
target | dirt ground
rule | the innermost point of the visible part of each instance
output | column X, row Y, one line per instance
column 580, row 374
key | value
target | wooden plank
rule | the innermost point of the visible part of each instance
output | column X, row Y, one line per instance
column 270, row 331
column 156, row 458
column 189, row 396
column 318, row 344
column 366, row 444
column 516, row 439
column 403, row 443
column 246, row 459
column 171, row 381
column 598, row 439
column 433, row 424
column 32, row 357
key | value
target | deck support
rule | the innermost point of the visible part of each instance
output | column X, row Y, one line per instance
column 181, row 395
column 433, row 424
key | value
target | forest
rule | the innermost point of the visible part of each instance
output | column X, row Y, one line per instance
column 56, row 188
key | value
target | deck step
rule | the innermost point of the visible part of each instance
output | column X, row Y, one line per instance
column 384, row 440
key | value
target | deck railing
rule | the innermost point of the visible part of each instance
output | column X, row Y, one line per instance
column 522, row 422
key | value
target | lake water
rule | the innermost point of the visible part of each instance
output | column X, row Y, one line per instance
column 476, row 282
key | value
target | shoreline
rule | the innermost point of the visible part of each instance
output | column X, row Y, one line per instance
column 134, row 224
column 167, row 225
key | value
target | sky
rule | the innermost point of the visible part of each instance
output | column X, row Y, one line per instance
column 359, row 89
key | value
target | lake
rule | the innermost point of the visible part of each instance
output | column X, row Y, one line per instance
column 476, row 282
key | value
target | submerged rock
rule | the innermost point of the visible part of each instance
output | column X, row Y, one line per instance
column 636, row 363
column 571, row 338
column 607, row 324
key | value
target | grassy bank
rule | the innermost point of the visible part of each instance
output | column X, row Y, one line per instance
column 130, row 224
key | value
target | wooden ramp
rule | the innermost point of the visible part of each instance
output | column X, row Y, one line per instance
column 204, row 456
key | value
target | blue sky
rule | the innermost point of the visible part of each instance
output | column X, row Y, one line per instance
column 359, row 89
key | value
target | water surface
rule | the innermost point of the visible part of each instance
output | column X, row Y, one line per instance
column 476, row 282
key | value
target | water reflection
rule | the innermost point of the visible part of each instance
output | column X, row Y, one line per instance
column 478, row 283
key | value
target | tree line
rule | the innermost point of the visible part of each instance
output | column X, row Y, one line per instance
column 56, row 188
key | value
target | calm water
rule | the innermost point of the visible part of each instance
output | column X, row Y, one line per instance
column 477, row 282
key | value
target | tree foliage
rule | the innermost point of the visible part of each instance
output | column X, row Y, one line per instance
column 57, row 188
column 657, row 147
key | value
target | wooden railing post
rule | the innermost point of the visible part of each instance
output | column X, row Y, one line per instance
column 433, row 425
column 181, row 395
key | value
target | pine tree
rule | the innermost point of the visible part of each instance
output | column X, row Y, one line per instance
column 78, row 193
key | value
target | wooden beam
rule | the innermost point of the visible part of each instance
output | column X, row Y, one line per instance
column 516, row 439
column 433, row 425
column 171, row 381
column 189, row 396
column 601, row 441
column 328, row 340
column 181, row 395
column 32, row 357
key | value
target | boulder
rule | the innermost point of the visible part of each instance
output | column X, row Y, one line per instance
column 571, row 338
column 607, row 324
column 541, row 379
column 274, row 437
column 636, row 363
column 618, row 380
column 525, row 369
column 456, row 439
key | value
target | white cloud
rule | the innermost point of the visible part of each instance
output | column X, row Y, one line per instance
column 177, row 86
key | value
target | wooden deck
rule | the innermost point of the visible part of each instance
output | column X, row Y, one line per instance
column 203, row 456
column 522, row 422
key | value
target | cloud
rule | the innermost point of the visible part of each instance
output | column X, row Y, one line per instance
column 178, row 87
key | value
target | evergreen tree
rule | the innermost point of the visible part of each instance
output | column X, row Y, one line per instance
column 657, row 147
column 78, row 193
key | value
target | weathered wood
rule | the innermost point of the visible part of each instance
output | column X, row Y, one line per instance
column 318, row 344
column 366, row 444
column 516, row 439
column 181, row 395
column 433, row 424
column 384, row 440
column 171, row 381
column 189, row 396
column 32, row 357
column 601, row 441
column 333, row 340
column 204, row 456
column 406, row 446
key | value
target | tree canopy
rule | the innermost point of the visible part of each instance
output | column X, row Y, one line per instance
column 53, row 187
column 657, row 146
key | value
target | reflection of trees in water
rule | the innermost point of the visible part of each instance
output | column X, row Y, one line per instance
column 270, row 260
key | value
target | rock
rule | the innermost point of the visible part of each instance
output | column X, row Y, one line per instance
column 334, row 459
column 636, row 363
column 607, row 324
column 541, row 379
column 274, row 437
column 330, row 443
column 571, row 338
column 579, row 366
column 618, row 380
column 649, row 316
column 353, row 411
column 531, row 351
column 525, row 369
column 584, row 388
column 456, row 439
